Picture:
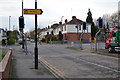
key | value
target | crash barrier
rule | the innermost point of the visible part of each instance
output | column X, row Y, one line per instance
column 5, row 65
column 89, row 45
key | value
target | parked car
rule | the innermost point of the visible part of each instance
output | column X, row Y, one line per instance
column 20, row 41
column 32, row 40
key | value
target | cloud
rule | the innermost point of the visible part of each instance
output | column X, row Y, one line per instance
column 53, row 10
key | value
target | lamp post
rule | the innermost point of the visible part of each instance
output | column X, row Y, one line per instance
column 9, row 22
column 62, row 18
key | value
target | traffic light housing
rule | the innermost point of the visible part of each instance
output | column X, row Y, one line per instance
column 21, row 22
column 100, row 23
column 84, row 25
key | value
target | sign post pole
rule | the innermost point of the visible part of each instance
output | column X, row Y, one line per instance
column 36, row 48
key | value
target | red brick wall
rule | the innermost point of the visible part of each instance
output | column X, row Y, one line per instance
column 73, row 36
column 5, row 65
column 86, row 36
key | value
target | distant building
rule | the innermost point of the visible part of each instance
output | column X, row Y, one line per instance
column 2, row 34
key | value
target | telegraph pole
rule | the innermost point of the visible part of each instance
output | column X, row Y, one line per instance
column 36, row 48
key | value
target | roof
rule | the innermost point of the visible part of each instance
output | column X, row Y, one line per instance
column 55, row 25
column 75, row 21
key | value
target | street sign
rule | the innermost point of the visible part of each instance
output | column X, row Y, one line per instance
column 90, row 39
column 18, row 36
column 33, row 11
column 94, row 40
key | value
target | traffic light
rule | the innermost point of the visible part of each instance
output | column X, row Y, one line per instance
column 100, row 23
column 84, row 25
column 21, row 22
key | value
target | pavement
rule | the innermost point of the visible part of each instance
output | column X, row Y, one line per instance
column 23, row 66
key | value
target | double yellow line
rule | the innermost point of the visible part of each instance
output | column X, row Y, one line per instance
column 56, row 72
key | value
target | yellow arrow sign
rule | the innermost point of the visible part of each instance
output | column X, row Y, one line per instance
column 33, row 11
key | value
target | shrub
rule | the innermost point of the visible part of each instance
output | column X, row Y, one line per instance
column 43, row 40
column 11, row 41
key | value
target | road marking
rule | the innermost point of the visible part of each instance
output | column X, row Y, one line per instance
column 51, row 67
column 100, row 65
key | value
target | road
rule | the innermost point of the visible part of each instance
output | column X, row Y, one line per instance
column 77, row 64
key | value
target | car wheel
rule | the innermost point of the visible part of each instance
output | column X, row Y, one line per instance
column 111, row 49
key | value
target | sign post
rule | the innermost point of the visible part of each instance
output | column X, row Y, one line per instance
column 35, row 12
column 36, row 48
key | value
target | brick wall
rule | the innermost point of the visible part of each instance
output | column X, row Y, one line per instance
column 74, row 36
column 5, row 65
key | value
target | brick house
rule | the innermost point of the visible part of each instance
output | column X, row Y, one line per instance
column 69, row 30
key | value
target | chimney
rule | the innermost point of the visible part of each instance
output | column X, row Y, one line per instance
column 60, row 23
column 73, row 17
column 48, row 27
column 65, row 20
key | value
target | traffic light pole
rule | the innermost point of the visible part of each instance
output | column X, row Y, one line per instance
column 36, row 48
column 22, row 29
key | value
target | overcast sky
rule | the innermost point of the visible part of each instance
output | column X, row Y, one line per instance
column 53, row 10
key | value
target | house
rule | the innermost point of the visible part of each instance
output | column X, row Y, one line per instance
column 71, row 31
column 2, row 34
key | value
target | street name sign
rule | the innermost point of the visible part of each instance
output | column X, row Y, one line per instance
column 33, row 11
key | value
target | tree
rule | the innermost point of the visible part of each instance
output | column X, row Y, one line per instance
column 32, row 34
column 114, row 19
column 94, row 30
column 11, row 37
column 111, row 19
column 16, row 32
column 89, row 18
column 106, row 19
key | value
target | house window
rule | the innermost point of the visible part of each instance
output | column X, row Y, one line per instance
column 79, row 27
column 65, row 37
column 62, row 29
column 65, row 27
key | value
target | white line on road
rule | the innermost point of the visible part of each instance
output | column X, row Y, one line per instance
column 100, row 65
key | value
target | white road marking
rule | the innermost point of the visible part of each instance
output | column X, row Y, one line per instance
column 100, row 65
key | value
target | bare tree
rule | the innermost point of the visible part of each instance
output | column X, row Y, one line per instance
column 114, row 19
column 106, row 19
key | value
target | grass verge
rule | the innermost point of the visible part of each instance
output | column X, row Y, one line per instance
column 1, row 57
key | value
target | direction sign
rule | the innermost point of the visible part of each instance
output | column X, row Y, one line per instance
column 33, row 11
column 18, row 36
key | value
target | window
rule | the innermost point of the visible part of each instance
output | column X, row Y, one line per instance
column 65, row 37
column 65, row 27
column 79, row 27
column 62, row 29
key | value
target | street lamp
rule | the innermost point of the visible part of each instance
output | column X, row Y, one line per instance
column 61, row 18
column 9, row 22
